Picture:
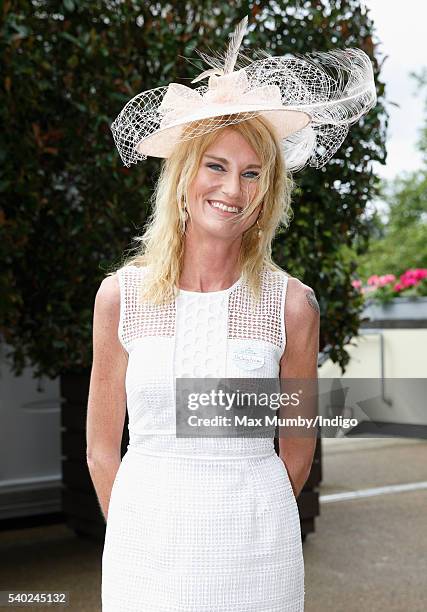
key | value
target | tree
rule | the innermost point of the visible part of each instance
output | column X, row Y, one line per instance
column 70, row 208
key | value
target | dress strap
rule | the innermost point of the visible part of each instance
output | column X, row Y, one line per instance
column 128, row 282
column 284, row 292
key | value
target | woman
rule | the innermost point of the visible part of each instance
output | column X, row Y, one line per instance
column 202, row 523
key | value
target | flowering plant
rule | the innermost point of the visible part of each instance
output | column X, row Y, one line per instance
column 384, row 288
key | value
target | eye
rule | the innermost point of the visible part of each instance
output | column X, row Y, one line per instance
column 255, row 175
column 214, row 166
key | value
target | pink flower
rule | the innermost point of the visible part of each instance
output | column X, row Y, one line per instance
column 373, row 280
column 411, row 278
column 416, row 274
column 357, row 284
column 409, row 281
column 386, row 279
column 420, row 273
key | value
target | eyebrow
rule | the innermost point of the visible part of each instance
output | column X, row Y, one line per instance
column 224, row 161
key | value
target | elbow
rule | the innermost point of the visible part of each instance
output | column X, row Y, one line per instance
column 92, row 453
column 96, row 457
column 91, row 459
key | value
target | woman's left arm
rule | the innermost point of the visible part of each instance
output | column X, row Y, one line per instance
column 299, row 360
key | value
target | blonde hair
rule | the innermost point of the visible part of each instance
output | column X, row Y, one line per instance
column 163, row 239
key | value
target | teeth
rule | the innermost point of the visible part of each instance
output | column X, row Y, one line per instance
column 224, row 207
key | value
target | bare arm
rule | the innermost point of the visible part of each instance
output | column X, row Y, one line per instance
column 107, row 395
column 302, row 321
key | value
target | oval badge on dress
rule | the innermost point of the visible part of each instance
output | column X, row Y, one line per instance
column 249, row 358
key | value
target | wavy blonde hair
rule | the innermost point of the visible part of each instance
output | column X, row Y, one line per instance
column 163, row 239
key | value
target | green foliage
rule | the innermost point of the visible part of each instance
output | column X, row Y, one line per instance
column 401, row 241
column 69, row 207
column 398, row 243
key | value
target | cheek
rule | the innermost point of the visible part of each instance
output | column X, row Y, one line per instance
column 249, row 192
column 199, row 185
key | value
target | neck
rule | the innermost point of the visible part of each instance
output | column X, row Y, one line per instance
column 210, row 263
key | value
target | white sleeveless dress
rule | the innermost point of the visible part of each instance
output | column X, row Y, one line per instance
column 200, row 524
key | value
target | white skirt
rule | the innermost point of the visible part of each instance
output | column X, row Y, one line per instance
column 202, row 535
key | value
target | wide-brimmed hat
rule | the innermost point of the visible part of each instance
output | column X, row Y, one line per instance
column 309, row 100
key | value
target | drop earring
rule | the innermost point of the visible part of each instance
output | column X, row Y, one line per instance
column 259, row 229
column 184, row 217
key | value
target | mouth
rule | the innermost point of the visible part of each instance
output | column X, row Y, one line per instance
column 222, row 209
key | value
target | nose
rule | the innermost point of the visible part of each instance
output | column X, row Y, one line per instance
column 231, row 185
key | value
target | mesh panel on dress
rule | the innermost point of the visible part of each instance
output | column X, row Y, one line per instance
column 139, row 319
column 262, row 321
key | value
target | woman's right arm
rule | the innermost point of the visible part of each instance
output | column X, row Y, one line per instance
column 107, row 395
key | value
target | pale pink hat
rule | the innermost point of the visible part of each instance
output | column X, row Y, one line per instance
column 309, row 109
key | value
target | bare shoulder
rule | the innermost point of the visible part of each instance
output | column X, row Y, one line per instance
column 106, row 315
column 302, row 326
column 301, row 302
column 108, row 295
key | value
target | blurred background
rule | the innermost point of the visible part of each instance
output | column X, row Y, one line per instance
column 69, row 210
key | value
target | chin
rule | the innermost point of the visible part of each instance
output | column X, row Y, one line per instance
column 218, row 230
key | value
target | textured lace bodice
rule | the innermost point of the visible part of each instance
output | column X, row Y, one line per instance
column 200, row 335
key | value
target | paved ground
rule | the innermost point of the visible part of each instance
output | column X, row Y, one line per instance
column 368, row 554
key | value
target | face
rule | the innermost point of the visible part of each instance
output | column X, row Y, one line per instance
column 227, row 176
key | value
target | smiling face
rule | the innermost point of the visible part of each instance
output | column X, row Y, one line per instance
column 225, row 184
